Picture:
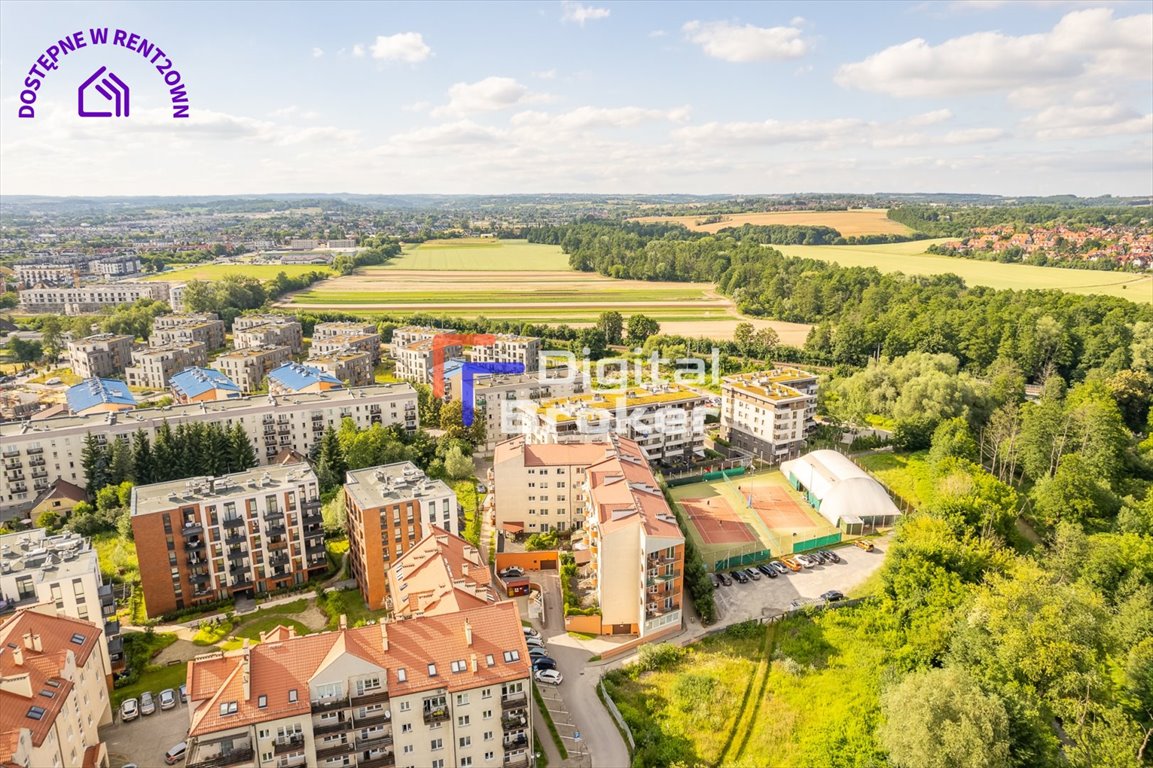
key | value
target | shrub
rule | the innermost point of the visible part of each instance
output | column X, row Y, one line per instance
column 657, row 655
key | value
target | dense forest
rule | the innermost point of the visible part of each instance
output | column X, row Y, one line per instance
column 941, row 221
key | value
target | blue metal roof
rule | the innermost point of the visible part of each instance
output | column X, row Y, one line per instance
column 452, row 367
column 296, row 377
column 192, row 382
column 93, row 392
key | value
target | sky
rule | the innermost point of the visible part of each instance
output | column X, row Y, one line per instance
column 984, row 96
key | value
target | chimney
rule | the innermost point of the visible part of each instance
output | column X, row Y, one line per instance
column 474, row 663
column 36, row 644
column 384, row 636
column 467, row 633
column 246, row 671
column 18, row 656
column 343, row 621
column 28, row 640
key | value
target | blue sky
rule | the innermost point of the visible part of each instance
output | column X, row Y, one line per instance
column 982, row 96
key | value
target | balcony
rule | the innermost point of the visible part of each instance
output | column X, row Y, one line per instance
column 199, row 578
column 234, row 538
column 34, row 451
column 374, row 741
column 331, row 726
column 380, row 761
column 657, row 559
column 280, row 543
column 514, row 701
column 37, row 462
column 39, row 472
column 192, row 529
column 513, row 722
column 237, row 555
column 373, row 718
column 314, row 545
column 286, row 745
column 516, row 742
column 244, row 583
column 10, row 452
column 276, row 529
column 193, row 544
column 436, row 714
column 329, row 705
column 232, row 757
column 273, row 514
column 660, row 578
column 233, row 522
column 371, row 697
column 344, row 748
column 516, row 761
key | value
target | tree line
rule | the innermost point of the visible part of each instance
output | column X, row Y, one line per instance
column 942, row 221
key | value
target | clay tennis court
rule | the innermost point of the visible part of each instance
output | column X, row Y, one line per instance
column 716, row 522
column 776, row 508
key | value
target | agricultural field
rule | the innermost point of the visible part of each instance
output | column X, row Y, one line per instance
column 866, row 221
column 480, row 254
column 911, row 259
column 217, row 271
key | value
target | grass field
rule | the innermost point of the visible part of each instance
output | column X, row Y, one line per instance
column 217, row 271
column 911, row 259
column 479, row 254
column 801, row 692
column 871, row 221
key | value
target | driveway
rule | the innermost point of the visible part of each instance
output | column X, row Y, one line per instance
column 145, row 740
column 767, row 597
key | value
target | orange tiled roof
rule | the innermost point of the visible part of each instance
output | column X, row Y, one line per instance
column 442, row 573
column 623, row 491
column 552, row 454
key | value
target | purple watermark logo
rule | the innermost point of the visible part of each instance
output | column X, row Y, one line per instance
column 103, row 94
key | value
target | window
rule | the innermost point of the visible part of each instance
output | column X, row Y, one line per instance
column 438, row 763
column 465, row 762
column 459, row 665
column 78, row 638
column 292, row 694
column 461, row 699
column 262, row 733
column 489, row 659
column 488, row 735
column 328, row 690
column 227, row 708
column 262, row 701
column 511, row 656
column 77, row 587
column 408, row 749
column 486, row 715
column 432, row 670
column 436, row 744
column 462, row 721
column 405, row 706
column 488, row 755
column 406, row 728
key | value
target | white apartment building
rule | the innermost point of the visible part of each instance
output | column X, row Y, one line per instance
column 248, row 366
column 153, row 366
column 204, row 327
column 102, row 356
column 360, row 342
column 54, row 680
column 354, row 368
column 414, row 361
column 52, row 448
column 447, row 691
column 328, row 330
column 495, row 397
column 115, row 267
column 667, row 421
column 509, row 348
column 539, row 486
column 48, row 275
column 90, row 298
column 209, row 538
column 63, row 570
column 769, row 413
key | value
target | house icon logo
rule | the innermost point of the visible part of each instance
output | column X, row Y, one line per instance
column 100, row 92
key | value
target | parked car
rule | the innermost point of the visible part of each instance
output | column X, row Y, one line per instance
column 167, row 698
column 740, row 577
column 832, row 556
column 832, row 596
column 544, row 662
column 724, row 579
column 767, row 571
column 752, row 574
column 512, row 572
column 806, row 561
column 530, row 632
column 864, row 544
column 791, row 564
column 819, row 556
column 129, row 710
column 779, row 568
column 536, row 653
column 147, row 703
column 183, row 693
column 481, row 488
column 176, row 754
column 534, row 642
column 550, row 676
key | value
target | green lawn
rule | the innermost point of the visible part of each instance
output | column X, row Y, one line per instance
column 513, row 294
column 349, row 603
column 911, row 258
column 117, row 558
column 252, row 630
column 481, row 254
column 905, row 473
column 155, row 679
column 217, row 271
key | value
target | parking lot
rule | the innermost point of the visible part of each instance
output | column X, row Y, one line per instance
column 145, row 740
column 767, row 597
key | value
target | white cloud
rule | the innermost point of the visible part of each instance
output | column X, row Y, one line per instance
column 657, row 33
column 317, row 53
column 930, row 118
column 579, row 13
column 459, row 133
column 545, row 74
column 417, row 106
column 771, row 131
column 587, row 118
column 408, row 47
column 358, row 50
column 488, row 95
column 1088, row 43
column 1067, row 121
column 744, row 43
column 294, row 111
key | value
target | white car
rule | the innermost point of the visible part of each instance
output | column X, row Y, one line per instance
column 129, row 710
column 550, row 676
column 530, row 632
column 534, row 642
column 512, row 572
column 808, row 561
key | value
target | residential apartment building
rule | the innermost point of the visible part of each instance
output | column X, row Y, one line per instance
column 667, row 421
column 499, row 399
column 200, row 385
column 267, row 330
column 204, row 327
column 769, row 413
column 637, row 548
column 446, row 691
column 368, row 343
column 102, row 355
column 154, row 366
column 248, row 366
column 509, row 348
column 391, row 508
column 354, row 368
column 47, row 275
column 98, row 396
column 89, row 298
column 441, row 573
column 292, row 378
column 63, row 570
column 539, row 486
column 115, row 267
column 328, row 330
column 36, row 454
column 414, row 361
column 409, row 334
column 210, row 538
column 54, row 677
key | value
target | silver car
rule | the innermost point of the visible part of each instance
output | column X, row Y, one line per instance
column 167, row 698
column 147, row 703
column 129, row 710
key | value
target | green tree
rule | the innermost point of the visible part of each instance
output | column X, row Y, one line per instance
column 1133, row 391
column 94, row 461
column 457, row 465
column 765, row 341
column 743, row 337
column 241, row 454
column 25, row 351
column 52, row 337
column 1073, row 494
column 953, row 437
column 940, row 718
column 611, row 324
column 640, row 327
column 592, row 339
column 164, row 454
column 142, row 469
column 48, row 520
column 331, row 467
column 119, row 460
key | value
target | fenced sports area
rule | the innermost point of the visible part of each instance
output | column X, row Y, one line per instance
column 748, row 518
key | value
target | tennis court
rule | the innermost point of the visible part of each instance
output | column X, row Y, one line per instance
column 777, row 509
column 716, row 522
